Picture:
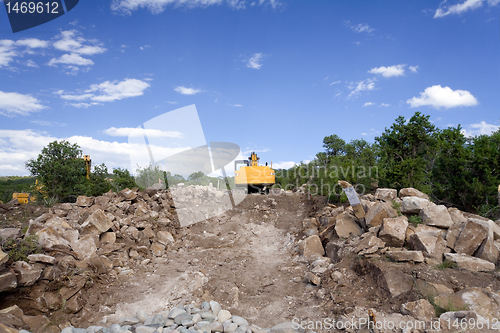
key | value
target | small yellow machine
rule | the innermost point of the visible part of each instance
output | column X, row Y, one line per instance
column 22, row 198
column 252, row 177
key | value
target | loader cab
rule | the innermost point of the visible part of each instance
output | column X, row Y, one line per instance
column 240, row 163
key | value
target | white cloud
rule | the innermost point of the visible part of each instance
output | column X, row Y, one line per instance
column 439, row 97
column 480, row 129
column 21, row 145
column 396, row 70
column 12, row 103
column 414, row 69
column 32, row 43
column 365, row 85
column 71, row 59
column 187, row 91
column 7, row 52
column 145, row 47
column 150, row 133
column 107, row 92
column 384, row 104
column 158, row 6
column 368, row 104
column 459, row 8
column 31, row 63
column 331, row 84
column 83, row 105
column 47, row 123
column 255, row 61
column 283, row 165
column 236, row 105
column 70, row 41
column 359, row 28
column 493, row 2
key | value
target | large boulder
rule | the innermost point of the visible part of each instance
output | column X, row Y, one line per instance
column 378, row 212
column 392, row 279
column 346, row 225
column 50, row 239
column 456, row 216
column 474, row 299
column 386, row 194
column 402, row 256
column 99, row 220
column 436, row 216
column 421, row 309
column 84, row 247
column 411, row 192
column 488, row 251
column 413, row 205
column 369, row 244
column 431, row 244
column 470, row 263
column 311, row 246
column 393, row 231
column 84, row 201
column 471, row 237
column 8, row 280
column 26, row 274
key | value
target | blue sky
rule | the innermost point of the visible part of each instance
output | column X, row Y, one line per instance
column 273, row 76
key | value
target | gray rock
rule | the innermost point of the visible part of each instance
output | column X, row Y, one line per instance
column 129, row 321
column 216, row 326
column 115, row 328
column 215, row 307
column 187, row 323
column 240, row 321
column 159, row 320
column 182, row 317
column 175, row 312
column 196, row 318
column 144, row 329
column 207, row 315
column 126, row 328
column 67, row 330
column 77, row 330
column 205, row 306
column 229, row 327
column 141, row 315
column 287, row 327
column 93, row 329
column 224, row 315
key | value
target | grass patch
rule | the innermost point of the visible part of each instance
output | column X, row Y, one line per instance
column 20, row 250
column 415, row 220
column 446, row 264
column 397, row 206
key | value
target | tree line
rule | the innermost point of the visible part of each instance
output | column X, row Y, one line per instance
column 451, row 168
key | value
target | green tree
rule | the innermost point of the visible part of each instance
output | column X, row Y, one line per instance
column 407, row 151
column 122, row 179
column 149, row 175
column 334, row 145
column 61, row 170
column 98, row 183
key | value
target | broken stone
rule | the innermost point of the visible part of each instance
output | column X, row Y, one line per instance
column 7, row 233
column 402, row 256
column 84, row 201
column 7, row 329
column 13, row 310
column 74, row 304
column 470, row 263
column 311, row 246
column 453, row 233
column 101, row 201
column 346, row 225
column 164, row 237
column 434, row 246
column 392, row 280
column 4, row 257
column 26, row 274
column 128, row 194
column 98, row 219
column 421, row 309
column 430, row 289
column 436, row 216
column 313, row 279
column 43, row 258
column 148, row 232
column 84, row 247
column 50, row 239
column 371, row 243
column 411, row 192
column 157, row 249
column 393, row 231
column 487, row 251
column 108, row 238
column 8, row 280
column 471, row 237
column 386, row 194
column 378, row 212
column 52, row 300
column 470, row 299
column 456, row 216
column 37, row 324
column 413, row 205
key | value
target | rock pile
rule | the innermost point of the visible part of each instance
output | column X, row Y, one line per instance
column 406, row 228
column 208, row 317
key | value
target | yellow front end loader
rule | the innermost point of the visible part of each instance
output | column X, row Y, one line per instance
column 252, row 177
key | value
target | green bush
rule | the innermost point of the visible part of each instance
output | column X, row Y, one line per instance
column 415, row 220
column 20, row 250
